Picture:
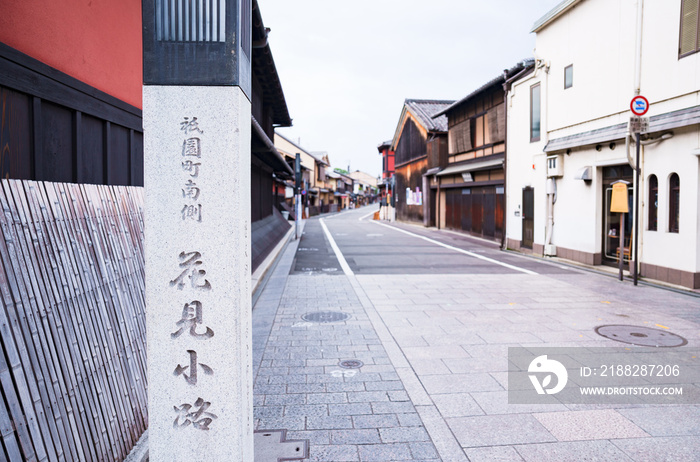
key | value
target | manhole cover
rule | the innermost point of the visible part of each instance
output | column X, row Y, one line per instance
column 641, row 336
column 325, row 316
column 351, row 364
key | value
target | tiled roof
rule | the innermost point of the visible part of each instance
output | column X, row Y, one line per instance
column 424, row 109
column 495, row 81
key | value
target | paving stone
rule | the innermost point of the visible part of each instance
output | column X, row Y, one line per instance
column 344, row 386
column 335, row 453
column 661, row 449
column 423, row 450
column 496, row 402
column 666, row 421
column 332, row 422
column 305, row 388
column 589, row 425
column 306, row 410
column 375, row 421
column 575, row 451
column 392, row 407
column 457, row 405
column 367, row 396
column 384, row 385
column 350, row 409
column 385, row 452
column 410, row 420
column 284, row 399
column 398, row 395
column 498, row 430
column 460, row 383
column 268, row 411
column 356, row 436
column 326, row 398
column 399, row 434
column 494, row 454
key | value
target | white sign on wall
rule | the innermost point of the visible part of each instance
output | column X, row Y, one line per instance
column 414, row 197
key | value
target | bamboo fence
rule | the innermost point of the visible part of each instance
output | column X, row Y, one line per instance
column 72, row 323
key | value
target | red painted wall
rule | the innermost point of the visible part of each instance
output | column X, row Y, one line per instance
column 95, row 41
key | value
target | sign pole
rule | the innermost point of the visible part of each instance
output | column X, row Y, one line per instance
column 639, row 106
column 621, row 261
column 636, row 211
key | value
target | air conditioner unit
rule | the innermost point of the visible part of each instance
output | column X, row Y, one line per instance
column 555, row 166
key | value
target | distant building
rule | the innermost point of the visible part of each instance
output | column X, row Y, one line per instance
column 417, row 143
column 568, row 137
column 471, row 186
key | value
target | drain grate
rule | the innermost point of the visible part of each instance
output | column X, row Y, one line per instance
column 325, row 316
column 641, row 336
column 351, row 364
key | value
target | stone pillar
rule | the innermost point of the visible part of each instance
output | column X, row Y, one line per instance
column 197, row 209
column 197, row 135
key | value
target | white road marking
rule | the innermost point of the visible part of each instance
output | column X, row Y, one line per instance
column 336, row 250
column 340, row 373
column 466, row 252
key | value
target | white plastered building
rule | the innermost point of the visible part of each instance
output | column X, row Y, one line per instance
column 568, row 130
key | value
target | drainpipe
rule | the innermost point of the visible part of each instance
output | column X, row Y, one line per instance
column 504, row 245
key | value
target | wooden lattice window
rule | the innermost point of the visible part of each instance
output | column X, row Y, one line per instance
column 688, row 41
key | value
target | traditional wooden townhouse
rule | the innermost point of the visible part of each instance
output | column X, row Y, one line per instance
column 470, row 189
column 569, row 140
column 313, row 167
column 417, row 142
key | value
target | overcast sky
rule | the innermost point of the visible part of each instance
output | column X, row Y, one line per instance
column 347, row 66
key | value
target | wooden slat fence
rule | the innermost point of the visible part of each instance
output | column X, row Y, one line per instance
column 72, row 323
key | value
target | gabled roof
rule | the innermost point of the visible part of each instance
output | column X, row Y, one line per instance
column 553, row 14
column 424, row 109
column 315, row 155
column 508, row 73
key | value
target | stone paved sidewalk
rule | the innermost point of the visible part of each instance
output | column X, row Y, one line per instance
column 346, row 414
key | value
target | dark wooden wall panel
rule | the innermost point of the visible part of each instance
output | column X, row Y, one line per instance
column 53, row 127
column 136, row 158
column 118, row 164
column 15, row 134
column 57, row 144
column 91, row 154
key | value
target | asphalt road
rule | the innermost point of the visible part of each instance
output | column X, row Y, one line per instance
column 377, row 247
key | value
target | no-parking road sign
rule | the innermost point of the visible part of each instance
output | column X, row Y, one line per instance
column 639, row 105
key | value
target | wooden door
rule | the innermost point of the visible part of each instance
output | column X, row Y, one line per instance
column 528, row 217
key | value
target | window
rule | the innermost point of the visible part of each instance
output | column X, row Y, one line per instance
column 480, row 134
column 535, row 113
column 688, row 41
column 674, row 209
column 568, row 76
column 653, row 202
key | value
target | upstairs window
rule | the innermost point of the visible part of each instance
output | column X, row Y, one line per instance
column 688, row 41
column 674, row 203
column 653, row 202
column 535, row 113
column 568, row 76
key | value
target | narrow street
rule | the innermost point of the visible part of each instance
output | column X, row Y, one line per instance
column 423, row 320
